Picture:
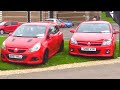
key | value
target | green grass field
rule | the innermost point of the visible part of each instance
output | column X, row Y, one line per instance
column 59, row 58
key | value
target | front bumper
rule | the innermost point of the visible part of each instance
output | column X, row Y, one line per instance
column 28, row 58
column 100, row 50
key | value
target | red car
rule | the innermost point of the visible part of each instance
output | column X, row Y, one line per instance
column 8, row 26
column 62, row 25
column 32, row 43
column 93, row 38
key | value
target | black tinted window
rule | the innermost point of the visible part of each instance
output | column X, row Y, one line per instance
column 14, row 23
column 8, row 23
column 53, row 30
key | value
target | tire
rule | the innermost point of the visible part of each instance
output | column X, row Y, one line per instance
column 45, row 57
column 61, row 46
column 1, row 32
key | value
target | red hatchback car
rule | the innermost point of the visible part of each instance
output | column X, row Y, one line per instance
column 93, row 38
column 8, row 26
column 32, row 43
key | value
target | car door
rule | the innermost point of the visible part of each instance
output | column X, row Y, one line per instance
column 14, row 25
column 7, row 27
column 52, row 40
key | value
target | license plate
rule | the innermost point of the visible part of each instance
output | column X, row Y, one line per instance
column 15, row 56
column 88, row 49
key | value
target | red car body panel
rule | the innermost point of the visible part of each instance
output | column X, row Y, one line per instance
column 21, row 43
column 10, row 28
column 92, row 40
column 62, row 25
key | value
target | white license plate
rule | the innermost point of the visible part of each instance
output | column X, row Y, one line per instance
column 88, row 49
column 15, row 56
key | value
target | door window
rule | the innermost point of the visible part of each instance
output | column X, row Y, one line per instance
column 7, row 23
column 14, row 23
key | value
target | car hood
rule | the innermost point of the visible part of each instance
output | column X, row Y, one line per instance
column 91, row 36
column 22, row 42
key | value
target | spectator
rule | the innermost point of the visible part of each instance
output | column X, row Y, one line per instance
column 94, row 19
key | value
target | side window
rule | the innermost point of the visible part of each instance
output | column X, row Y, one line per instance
column 7, row 23
column 14, row 23
column 53, row 30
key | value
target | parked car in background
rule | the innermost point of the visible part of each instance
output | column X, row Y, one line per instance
column 54, row 20
column 67, row 23
column 32, row 43
column 93, row 38
column 8, row 26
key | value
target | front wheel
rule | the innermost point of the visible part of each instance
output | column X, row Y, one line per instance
column 61, row 46
column 45, row 57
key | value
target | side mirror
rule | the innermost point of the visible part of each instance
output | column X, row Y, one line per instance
column 9, row 34
column 72, row 30
column 116, row 31
column 51, row 35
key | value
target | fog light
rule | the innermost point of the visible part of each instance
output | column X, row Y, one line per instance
column 71, row 49
column 34, row 59
column 107, row 51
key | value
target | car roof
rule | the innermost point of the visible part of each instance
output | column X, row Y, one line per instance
column 9, row 21
column 96, row 22
column 38, row 23
column 51, row 19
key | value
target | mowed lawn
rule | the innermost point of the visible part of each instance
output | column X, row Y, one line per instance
column 57, row 59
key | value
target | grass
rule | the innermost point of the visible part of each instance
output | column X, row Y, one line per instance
column 59, row 58
column 109, row 19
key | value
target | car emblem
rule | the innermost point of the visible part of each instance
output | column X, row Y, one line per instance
column 89, row 43
column 15, row 50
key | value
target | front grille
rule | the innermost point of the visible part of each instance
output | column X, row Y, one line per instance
column 91, row 43
column 89, row 52
column 23, row 58
column 19, row 51
column 10, row 50
column 95, row 44
column 82, row 44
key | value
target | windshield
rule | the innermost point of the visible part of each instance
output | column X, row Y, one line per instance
column 94, row 28
column 2, row 23
column 30, row 31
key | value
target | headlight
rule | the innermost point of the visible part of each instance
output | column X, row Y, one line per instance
column 107, row 42
column 3, row 46
column 36, row 47
column 73, row 41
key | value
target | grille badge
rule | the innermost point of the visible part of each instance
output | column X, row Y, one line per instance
column 89, row 43
column 16, row 49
